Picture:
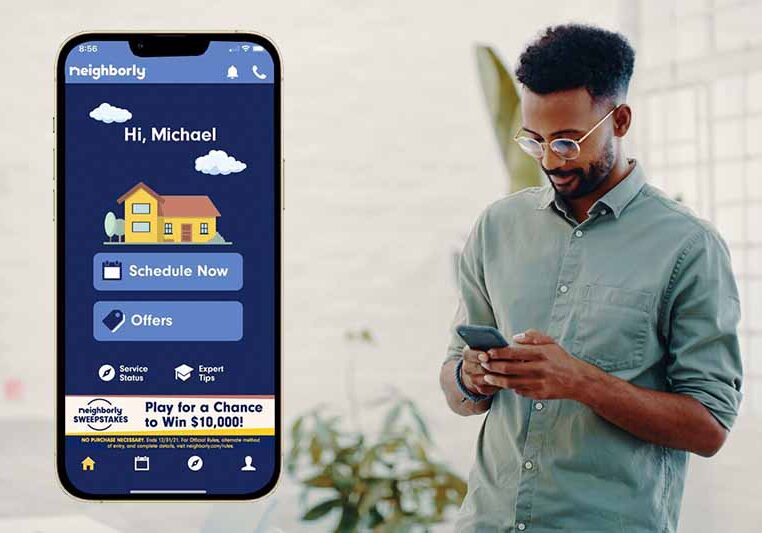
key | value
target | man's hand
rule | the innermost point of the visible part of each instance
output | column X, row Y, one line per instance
column 536, row 367
column 472, row 373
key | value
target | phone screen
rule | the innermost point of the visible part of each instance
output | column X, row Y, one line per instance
column 168, row 270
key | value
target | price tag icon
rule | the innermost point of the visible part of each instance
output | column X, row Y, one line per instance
column 114, row 320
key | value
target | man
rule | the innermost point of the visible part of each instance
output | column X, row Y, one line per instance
column 629, row 358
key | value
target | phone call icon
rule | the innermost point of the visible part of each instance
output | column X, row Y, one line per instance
column 260, row 75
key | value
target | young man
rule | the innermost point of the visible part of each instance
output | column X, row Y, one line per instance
column 627, row 302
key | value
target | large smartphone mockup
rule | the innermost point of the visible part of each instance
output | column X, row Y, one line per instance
column 168, row 202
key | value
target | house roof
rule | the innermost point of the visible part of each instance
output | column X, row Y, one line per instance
column 177, row 205
column 187, row 206
column 140, row 185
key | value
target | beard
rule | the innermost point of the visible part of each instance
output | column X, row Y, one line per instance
column 588, row 181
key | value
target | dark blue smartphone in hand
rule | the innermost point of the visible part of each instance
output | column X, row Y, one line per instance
column 481, row 338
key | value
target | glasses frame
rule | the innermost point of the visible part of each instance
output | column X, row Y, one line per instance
column 545, row 144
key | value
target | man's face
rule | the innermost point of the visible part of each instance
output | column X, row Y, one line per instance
column 570, row 114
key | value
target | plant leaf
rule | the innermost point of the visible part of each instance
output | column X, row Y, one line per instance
column 374, row 517
column 322, row 480
column 419, row 420
column 344, row 484
column 322, row 509
column 421, row 474
column 315, row 450
column 349, row 519
column 391, row 418
column 291, row 461
column 379, row 489
column 296, row 430
column 504, row 109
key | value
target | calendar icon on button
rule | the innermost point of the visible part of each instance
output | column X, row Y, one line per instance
column 142, row 463
column 112, row 270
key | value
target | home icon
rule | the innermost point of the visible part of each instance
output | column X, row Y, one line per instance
column 167, row 219
column 88, row 464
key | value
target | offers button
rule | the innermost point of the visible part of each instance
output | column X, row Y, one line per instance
column 167, row 321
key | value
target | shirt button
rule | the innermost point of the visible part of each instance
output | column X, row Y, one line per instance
column 578, row 233
column 603, row 212
column 538, row 406
column 521, row 526
column 564, row 289
column 528, row 465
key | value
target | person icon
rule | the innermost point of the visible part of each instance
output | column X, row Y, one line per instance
column 248, row 466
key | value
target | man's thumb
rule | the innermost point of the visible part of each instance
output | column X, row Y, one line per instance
column 532, row 336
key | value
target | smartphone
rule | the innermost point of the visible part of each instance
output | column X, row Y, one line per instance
column 168, row 213
column 481, row 337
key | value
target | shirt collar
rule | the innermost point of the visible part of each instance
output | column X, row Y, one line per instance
column 616, row 199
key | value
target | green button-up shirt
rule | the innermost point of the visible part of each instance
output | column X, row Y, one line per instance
column 643, row 289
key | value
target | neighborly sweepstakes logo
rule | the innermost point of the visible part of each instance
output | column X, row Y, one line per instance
column 100, row 414
column 97, row 72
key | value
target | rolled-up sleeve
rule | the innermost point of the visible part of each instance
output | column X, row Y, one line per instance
column 703, row 311
column 474, row 306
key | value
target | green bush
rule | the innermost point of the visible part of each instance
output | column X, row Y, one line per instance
column 389, row 484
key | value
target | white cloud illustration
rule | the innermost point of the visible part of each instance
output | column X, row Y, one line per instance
column 218, row 162
column 108, row 113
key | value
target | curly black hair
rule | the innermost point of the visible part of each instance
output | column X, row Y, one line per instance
column 570, row 56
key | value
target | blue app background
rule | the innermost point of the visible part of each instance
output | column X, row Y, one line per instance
column 100, row 166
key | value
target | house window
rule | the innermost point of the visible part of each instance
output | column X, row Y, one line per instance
column 141, row 209
column 167, row 228
column 141, row 227
column 204, row 228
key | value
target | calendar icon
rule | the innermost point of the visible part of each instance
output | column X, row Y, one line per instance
column 112, row 270
column 142, row 463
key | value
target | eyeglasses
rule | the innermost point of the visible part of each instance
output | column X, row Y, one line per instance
column 564, row 148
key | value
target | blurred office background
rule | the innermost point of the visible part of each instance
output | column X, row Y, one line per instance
column 389, row 158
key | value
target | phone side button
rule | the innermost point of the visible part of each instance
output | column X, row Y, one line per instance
column 283, row 182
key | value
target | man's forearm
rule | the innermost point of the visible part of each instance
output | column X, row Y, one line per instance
column 454, row 396
column 665, row 418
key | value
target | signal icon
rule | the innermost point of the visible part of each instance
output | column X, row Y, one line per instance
column 245, row 47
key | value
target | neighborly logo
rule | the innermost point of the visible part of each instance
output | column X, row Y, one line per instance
column 100, row 414
column 97, row 72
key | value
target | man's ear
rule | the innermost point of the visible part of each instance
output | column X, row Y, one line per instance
column 622, row 120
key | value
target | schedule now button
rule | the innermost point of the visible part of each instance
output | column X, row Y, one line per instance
column 161, row 271
column 167, row 321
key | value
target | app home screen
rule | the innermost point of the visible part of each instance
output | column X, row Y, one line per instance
column 170, row 260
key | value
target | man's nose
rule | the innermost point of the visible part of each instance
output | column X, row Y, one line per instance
column 552, row 161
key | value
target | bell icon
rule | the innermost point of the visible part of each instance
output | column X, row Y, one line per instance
column 232, row 72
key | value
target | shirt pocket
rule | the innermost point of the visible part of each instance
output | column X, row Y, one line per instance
column 612, row 326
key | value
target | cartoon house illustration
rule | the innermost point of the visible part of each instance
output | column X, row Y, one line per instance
column 152, row 218
column 88, row 463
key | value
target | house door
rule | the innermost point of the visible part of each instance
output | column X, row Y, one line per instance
column 186, row 233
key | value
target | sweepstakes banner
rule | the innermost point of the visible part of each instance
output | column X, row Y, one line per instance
column 169, row 415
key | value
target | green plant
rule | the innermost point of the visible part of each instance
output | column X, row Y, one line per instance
column 504, row 109
column 390, row 484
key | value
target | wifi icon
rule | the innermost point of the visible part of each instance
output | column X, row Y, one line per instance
column 245, row 47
